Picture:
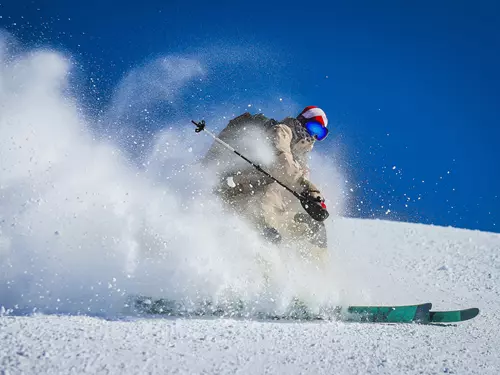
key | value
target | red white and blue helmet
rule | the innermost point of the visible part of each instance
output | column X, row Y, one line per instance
column 315, row 121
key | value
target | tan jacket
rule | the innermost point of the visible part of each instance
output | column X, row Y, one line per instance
column 263, row 201
column 290, row 165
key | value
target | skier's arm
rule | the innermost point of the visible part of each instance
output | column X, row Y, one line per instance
column 286, row 169
column 247, row 182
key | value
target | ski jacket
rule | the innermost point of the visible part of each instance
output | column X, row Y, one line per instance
column 257, row 197
column 291, row 147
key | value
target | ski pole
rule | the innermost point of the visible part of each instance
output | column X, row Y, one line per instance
column 312, row 206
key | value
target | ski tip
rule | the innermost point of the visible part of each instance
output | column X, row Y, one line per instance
column 469, row 313
column 453, row 316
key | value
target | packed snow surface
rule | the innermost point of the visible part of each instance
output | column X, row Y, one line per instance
column 392, row 262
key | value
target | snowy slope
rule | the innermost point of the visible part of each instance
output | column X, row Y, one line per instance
column 387, row 262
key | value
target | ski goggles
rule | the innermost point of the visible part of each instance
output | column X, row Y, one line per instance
column 316, row 130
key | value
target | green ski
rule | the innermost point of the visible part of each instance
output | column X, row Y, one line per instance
column 405, row 314
column 418, row 313
column 452, row 316
column 387, row 314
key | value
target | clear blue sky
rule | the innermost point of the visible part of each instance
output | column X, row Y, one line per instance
column 415, row 85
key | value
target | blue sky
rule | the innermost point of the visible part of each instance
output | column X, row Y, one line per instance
column 411, row 88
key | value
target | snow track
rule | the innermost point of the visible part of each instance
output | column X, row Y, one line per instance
column 394, row 263
column 51, row 344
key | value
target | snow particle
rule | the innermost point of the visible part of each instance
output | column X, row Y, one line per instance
column 230, row 182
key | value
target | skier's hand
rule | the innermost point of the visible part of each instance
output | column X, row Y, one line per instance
column 309, row 190
column 315, row 195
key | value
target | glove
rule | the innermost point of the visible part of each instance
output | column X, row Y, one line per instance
column 315, row 195
column 311, row 191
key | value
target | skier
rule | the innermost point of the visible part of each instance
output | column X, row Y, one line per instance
column 274, row 210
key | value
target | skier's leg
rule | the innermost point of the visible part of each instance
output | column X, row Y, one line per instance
column 271, row 208
column 312, row 233
column 316, row 233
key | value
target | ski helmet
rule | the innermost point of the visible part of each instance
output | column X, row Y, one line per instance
column 315, row 121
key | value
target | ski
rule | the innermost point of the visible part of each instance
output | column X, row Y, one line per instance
column 452, row 315
column 406, row 314
column 387, row 314
column 418, row 313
